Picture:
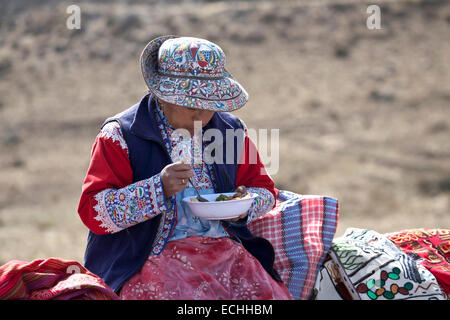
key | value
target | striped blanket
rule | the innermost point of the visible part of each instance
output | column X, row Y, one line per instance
column 301, row 230
column 51, row 279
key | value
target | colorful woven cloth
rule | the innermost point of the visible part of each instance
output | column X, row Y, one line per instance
column 203, row 268
column 432, row 245
column 301, row 230
column 51, row 279
column 365, row 265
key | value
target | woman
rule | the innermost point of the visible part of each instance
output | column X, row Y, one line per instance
column 143, row 241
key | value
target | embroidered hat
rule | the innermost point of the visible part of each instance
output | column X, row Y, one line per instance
column 190, row 72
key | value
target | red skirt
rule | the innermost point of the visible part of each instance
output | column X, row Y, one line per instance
column 200, row 268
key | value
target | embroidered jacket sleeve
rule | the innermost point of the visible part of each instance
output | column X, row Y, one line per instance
column 110, row 201
column 252, row 174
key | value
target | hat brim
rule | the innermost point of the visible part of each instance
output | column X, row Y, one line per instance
column 215, row 94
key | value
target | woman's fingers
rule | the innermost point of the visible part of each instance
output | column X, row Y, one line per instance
column 175, row 176
column 179, row 166
column 183, row 174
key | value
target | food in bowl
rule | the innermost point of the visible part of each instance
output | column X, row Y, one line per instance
column 223, row 197
column 240, row 193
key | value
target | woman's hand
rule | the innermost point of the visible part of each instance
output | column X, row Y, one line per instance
column 174, row 177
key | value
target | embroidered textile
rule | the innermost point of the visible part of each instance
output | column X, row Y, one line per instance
column 261, row 205
column 432, row 246
column 365, row 265
column 190, row 72
column 122, row 208
column 113, row 131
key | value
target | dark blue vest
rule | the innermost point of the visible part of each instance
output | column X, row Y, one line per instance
column 117, row 257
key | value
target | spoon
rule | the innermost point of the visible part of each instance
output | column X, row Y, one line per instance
column 199, row 197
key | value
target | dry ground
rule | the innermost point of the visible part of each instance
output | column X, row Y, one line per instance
column 364, row 115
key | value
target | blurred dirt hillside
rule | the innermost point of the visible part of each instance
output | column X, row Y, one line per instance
column 364, row 115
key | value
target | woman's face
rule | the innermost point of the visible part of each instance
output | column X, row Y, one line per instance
column 182, row 117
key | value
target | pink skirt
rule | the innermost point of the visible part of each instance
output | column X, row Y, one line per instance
column 200, row 268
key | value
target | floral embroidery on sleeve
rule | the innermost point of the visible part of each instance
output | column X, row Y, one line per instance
column 122, row 208
column 262, row 204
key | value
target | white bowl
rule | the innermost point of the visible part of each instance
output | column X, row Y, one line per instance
column 219, row 210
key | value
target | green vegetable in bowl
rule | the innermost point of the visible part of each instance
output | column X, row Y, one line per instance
column 222, row 197
column 240, row 193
